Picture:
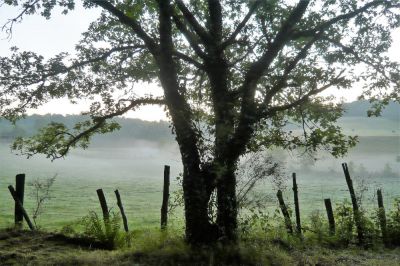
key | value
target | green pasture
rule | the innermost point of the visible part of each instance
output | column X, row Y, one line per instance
column 137, row 172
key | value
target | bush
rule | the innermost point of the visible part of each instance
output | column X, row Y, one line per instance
column 393, row 224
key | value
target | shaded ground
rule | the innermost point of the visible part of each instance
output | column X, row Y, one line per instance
column 38, row 248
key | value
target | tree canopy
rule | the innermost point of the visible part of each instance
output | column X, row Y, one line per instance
column 234, row 73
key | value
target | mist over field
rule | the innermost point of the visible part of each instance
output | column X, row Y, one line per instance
column 132, row 161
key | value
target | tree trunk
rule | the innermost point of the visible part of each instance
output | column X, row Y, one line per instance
column 227, row 205
column 199, row 230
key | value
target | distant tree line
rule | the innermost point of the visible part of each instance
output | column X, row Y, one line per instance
column 130, row 128
column 145, row 130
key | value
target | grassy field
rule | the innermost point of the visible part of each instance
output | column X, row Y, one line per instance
column 137, row 172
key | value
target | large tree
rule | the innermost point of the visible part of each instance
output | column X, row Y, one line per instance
column 234, row 74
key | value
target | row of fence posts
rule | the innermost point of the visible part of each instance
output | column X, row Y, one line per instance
column 164, row 205
column 20, row 213
column 329, row 210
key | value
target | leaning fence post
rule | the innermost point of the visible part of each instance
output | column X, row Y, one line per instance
column 356, row 209
column 164, row 206
column 382, row 216
column 103, row 204
column 331, row 218
column 121, row 208
column 296, row 204
column 19, row 192
column 21, row 207
column 285, row 212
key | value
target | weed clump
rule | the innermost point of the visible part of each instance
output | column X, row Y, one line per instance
column 105, row 231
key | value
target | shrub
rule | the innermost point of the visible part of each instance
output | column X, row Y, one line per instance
column 344, row 223
column 41, row 192
column 393, row 224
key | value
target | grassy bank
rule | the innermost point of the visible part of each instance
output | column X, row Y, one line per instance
column 150, row 247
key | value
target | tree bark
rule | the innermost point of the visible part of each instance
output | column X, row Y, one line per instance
column 227, row 205
column 199, row 229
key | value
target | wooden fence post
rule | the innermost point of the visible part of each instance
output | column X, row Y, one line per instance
column 121, row 208
column 103, row 204
column 356, row 209
column 296, row 204
column 285, row 212
column 19, row 192
column 382, row 217
column 331, row 218
column 164, row 206
column 21, row 207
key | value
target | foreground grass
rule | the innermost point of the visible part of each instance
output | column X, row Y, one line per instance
column 151, row 247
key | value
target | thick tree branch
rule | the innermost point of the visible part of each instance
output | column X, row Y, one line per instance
column 189, row 59
column 258, row 68
column 190, row 37
column 215, row 20
column 194, row 24
column 289, row 68
column 247, row 114
column 57, row 147
column 132, row 23
column 179, row 109
column 100, row 120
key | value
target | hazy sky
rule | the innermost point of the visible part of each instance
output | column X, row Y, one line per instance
column 61, row 33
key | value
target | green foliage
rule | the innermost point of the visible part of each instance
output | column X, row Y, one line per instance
column 106, row 232
column 130, row 128
column 285, row 92
column 232, row 82
column 56, row 139
column 344, row 222
column 318, row 226
column 393, row 224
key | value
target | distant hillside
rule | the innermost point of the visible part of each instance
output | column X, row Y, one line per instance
column 360, row 108
column 354, row 122
column 134, row 129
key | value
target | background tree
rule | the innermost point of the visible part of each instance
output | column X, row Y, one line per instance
column 234, row 74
